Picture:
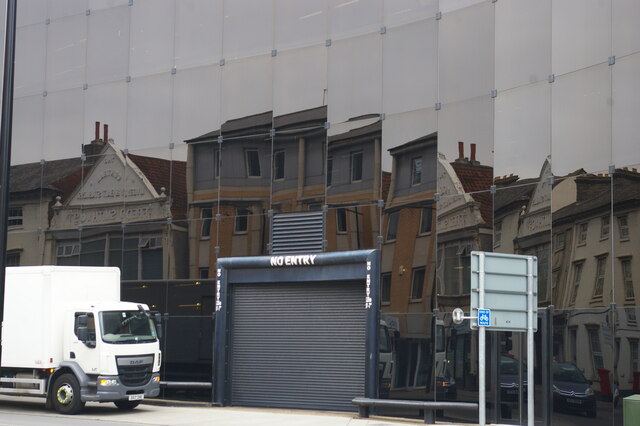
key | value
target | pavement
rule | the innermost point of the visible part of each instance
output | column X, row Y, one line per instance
column 31, row 411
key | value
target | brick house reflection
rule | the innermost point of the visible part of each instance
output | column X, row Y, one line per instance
column 408, row 260
column 122, row 210
column 242, row 173
column 355, row 183
column 464, row 224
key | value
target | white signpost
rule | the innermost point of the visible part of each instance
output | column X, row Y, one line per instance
column 503, row 297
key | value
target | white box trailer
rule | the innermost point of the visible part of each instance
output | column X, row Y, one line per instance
column 67, row 336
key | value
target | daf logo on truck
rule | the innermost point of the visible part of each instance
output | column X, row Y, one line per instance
column 76, row 321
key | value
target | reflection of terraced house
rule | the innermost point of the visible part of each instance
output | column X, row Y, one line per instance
column 33, row 188
column 594, row 268
column 408, row 256
column 464, row 220
column 228, row 181
column 522, row 222
column 354, row 186
column 122, row 210
column 247, row 168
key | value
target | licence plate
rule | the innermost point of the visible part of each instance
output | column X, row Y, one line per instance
column 574, row 401
column 136, row 397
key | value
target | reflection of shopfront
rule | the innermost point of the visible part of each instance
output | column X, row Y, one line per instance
column 139, row 255
column 459, row 354
column 124, row 211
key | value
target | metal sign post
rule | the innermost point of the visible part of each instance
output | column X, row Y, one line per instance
column 482, row 396
column 530, row 327
column 503, row 297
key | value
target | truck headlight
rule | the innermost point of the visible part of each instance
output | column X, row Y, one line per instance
column 156, row 379
column 108, row 382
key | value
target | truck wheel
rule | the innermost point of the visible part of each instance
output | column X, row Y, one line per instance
column 66, row 395
column 127, row 405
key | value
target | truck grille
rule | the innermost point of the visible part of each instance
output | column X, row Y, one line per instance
column 135, row 370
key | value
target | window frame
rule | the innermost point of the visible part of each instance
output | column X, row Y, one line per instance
column 205, row 231
column 583, row 229
column 601, row 271
column 385, row 288
column 560, row 241
column 417, row 289
column 576, row 278
column 394, row 218
column 15, row 214
column 416, row 171
column 13, row 257
column 356, row 170
column 203, row 273
column 623, row 229
column 248, row 153
column 279, row 158
column 627, row 278
column 238, row 221
column 428, row 231
column 341, row 220
column 605, row 227
column 497, row 234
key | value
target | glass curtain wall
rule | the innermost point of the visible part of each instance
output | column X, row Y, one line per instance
column 157, row 136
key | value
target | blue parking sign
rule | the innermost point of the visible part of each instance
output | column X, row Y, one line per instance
column 484, row 317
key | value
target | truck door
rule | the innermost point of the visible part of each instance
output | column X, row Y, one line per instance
column 85, row 353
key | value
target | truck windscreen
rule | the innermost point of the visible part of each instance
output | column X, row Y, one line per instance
column 126, row 327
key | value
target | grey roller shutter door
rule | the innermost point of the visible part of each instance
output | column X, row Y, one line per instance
column 299, row 345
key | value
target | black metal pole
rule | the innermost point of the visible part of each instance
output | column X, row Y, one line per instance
column 5, row 142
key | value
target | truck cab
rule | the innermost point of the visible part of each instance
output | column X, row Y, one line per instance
column 67, row 337
column 113, row 350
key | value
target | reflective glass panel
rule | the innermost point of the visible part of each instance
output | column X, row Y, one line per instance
column 410, row 66
column 106, row 103
column 299, row 80
column 152, row 37
column 196, row 102
column 522, row 130
column 198, row 36
column 466, row 53
column 355, row 78
column 247, row 87
column 108, row 45
column 523, row 43
column 149, row 112
column 27, row 143
column 348, row 18
column 240, row 15
column 299, row 24
column 30, row 60
column 398, row 12
column 625, row 93
column 581, row 121
column 580, row 34
column 63, row 126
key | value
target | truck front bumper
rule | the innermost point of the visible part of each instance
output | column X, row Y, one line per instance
column 119, row 392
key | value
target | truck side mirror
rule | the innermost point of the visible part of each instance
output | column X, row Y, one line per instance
column 157, row 318
column 83, row 336
column 83, row 320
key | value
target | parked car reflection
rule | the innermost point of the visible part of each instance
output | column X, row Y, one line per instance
column 445, row 384
column 509, row 378
column 571, row 391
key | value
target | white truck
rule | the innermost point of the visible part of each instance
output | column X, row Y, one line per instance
column 66, row 336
